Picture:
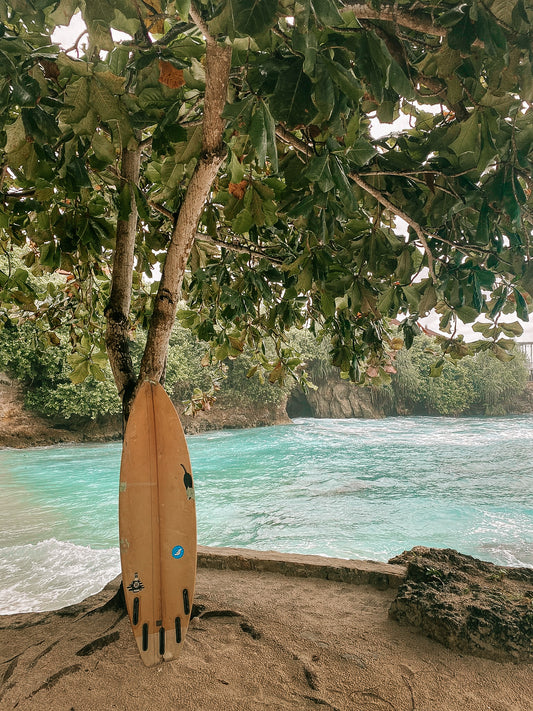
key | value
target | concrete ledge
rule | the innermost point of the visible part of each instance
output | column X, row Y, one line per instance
column 356, row 572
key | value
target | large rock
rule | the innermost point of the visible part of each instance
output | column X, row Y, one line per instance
column 467, row 604
column 338, row 399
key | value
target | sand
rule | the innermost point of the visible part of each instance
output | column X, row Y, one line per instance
column 264, row 640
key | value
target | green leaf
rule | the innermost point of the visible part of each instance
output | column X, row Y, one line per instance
column 522, row 310
column 387, row 300
column 398, row 80
column 326, row 12
column 519, row 15
column 258, row 135
column 512, row 329
column 453, row 16
column 404, row 267
column 24, row 94
column 76, row 101
column 468, row 139
column 345, row 79
column 80, row 372
column 462, row 35
column 436, row 369
column 142, row 203
column 341, row 182
column 361, row 152
column 236, row 169
column 412, row 296
column 243, row 221
column 319, row 171
column 77, row 176
column 118, row 59
column 501, row 354
column 270, row 126
column 483, row 225
column 373, row 61
column 467, row 314
column 324, row 92
column 105, row 103
column 98, row 16
column 63, row 12
column 489, row 31
column 248, row 18
column 97, row 373
column 124, row 202
column 291, row 101
column 428, row 300
column 103, row 148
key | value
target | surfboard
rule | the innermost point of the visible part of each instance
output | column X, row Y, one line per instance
column 157, row 526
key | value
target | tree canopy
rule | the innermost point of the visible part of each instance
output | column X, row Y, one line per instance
column 240, row 147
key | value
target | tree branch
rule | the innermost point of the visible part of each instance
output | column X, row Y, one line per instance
column 218, row 64
column 118, row 308
column 234, row 247
column 390, row 13
column 291, row 140
column 201, row 24
column 399, row 213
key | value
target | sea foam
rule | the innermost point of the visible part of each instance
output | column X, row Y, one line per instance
column 56, row 574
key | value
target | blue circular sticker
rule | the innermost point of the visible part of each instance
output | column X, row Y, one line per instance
column 177, row 552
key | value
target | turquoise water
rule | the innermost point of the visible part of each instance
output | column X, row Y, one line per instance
column 345, row 488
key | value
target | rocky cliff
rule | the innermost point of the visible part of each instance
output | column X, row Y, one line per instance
column 339, row 399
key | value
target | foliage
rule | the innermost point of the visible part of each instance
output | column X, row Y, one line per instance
column 496, row 384
column 451, row 394
column 49, row 391
column 474, row 384
column 299, row 224
column 45, row 374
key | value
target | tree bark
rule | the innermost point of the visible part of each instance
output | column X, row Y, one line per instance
column 118, row 308
column 218, row 63
column 420, row 22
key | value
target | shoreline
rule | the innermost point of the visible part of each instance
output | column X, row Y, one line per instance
column 74, row 438
column 269, row 631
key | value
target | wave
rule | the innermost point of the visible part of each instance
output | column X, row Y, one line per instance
column 48, row 575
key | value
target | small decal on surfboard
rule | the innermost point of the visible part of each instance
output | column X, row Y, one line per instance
column 136, row 585
column 187, row 480
column 177, row 552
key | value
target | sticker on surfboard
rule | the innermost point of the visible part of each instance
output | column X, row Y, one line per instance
column 136, row 585
column 178, row 552
column 189, row 486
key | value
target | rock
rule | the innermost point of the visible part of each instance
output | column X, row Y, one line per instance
column 467, row 604
column 227, row 414
column 338, row 399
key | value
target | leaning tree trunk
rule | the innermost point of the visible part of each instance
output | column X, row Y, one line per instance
column 118, row 308
column 218, row 63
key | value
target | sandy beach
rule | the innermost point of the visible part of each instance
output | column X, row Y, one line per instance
column 274, row 636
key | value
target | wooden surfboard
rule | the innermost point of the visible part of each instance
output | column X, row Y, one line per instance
column 157, row 526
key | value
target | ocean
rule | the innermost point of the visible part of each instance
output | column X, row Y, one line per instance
column 364, row 489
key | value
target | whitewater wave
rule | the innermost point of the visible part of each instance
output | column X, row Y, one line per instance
column 51, row 574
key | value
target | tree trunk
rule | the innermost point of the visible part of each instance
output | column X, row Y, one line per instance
column 118, row 308
column 218, row 63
